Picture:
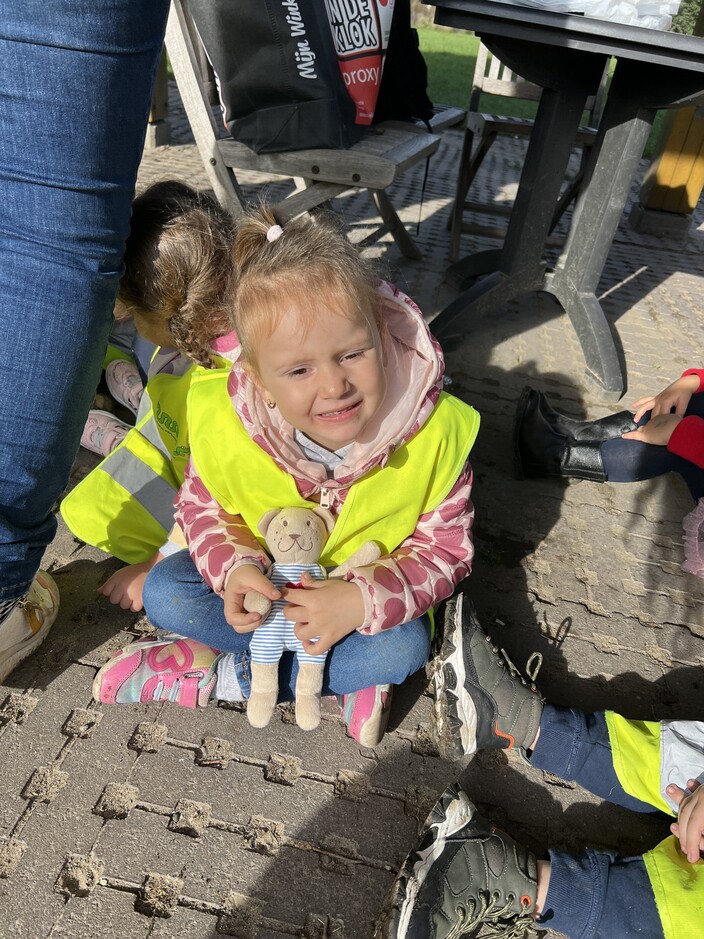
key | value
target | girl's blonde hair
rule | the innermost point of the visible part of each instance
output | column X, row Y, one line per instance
column 308, row 261
column 179, row 266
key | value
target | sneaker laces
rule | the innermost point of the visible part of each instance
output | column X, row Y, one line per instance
column 499, row 921
column 533, row 665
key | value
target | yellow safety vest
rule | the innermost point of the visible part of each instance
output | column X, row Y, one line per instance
column 383, row 506
column 678, row 886
column 125, row 506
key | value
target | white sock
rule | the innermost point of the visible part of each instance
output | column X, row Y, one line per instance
column 227, row 687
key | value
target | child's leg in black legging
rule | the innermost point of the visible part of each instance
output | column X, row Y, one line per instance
column 627, row 461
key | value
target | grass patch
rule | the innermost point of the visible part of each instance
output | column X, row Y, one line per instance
column 451, row 56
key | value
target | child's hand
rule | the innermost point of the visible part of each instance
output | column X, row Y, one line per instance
column 241, row 581
column 327, row 610
column 658, row 430
column 675, row 396
column 125, row 586
column 689, row 827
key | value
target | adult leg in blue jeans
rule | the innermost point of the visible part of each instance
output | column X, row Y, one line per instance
column 76, row 83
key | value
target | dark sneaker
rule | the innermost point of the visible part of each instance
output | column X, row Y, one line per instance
column 481, row 699
column 464, row 874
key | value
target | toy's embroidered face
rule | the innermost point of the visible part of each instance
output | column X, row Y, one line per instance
column 296, row 535
column 327, row 381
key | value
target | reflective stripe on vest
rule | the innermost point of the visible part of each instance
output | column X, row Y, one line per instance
column 125, row 506
column 148, row 428
column 154, row 493
column 384, row 506
column 678, row 887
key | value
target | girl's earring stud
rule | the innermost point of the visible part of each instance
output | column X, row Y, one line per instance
column 270, row 404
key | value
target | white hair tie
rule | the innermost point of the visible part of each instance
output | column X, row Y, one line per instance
column 276, row 231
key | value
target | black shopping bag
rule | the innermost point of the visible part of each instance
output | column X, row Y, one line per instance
column 403, row 94
column 277, row 73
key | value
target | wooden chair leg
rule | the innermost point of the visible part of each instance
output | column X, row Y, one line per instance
column 460, row 187
column 406, row 245
column 467, row 171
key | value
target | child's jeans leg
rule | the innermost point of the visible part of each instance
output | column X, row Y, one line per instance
column 359, row 661
column 597, row 896
column 574, row 745
column 177, row 599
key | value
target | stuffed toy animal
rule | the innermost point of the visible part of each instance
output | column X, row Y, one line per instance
column 295, row 538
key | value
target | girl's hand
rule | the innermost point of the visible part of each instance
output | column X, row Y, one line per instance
column 675, row 396
column 689, row 827
column 124, row 587
column 327, row 610
column 241, row 581
column 658, row 430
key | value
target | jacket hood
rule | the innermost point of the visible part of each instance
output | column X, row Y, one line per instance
column 414, row 369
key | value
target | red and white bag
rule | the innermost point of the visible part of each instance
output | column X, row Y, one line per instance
column 360, row 31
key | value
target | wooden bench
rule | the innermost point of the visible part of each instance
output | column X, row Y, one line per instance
column 384, row 153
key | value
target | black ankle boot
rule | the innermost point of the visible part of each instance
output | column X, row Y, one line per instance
column 604, row 428
column 549, row 444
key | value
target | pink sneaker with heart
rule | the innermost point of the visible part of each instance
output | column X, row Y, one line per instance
column 174, row 669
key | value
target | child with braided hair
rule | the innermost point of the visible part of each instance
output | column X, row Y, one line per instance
column 178, row 266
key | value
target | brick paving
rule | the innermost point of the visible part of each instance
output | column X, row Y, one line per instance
column 154, row 821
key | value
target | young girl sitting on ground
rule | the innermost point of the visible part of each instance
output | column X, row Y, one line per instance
column 178, row 263
column 336, row 400
column 665, row 434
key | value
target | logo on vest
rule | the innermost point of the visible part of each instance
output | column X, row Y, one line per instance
column 170, row 424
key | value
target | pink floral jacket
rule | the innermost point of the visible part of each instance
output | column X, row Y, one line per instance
column 427, row 566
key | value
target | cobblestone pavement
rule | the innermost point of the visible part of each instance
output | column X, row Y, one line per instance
column 139, row 821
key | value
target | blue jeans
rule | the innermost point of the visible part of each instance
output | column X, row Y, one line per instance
column 76, row 81
column 595, row 895
column 177, row 599
column 629, row 461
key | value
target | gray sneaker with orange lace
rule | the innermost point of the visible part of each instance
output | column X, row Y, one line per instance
column 463, row 874
column 481, row 699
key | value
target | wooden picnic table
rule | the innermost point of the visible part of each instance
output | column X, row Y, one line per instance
column 565, row 54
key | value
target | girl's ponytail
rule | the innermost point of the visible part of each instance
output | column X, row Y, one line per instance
column 179, row 266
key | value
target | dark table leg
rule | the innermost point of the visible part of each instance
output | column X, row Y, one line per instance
column 519, row 266
column 623, row 133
